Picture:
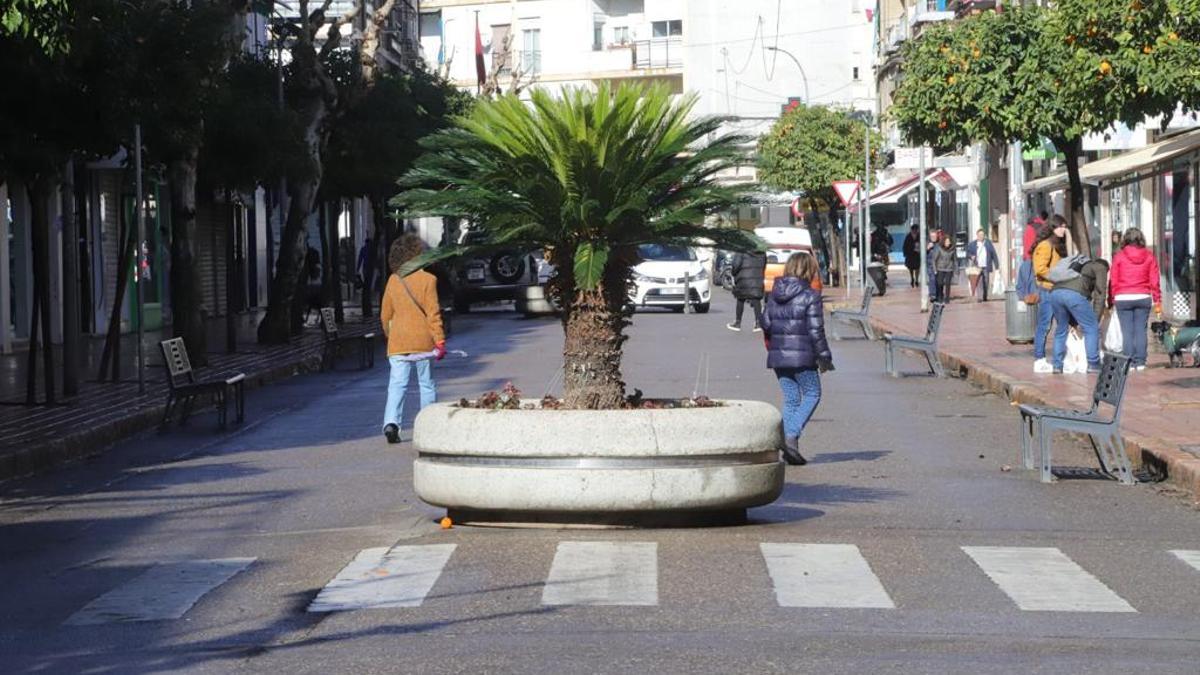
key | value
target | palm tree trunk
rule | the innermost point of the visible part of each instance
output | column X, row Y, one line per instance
column 594, row 324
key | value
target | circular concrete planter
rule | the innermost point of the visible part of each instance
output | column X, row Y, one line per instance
column 610, row 466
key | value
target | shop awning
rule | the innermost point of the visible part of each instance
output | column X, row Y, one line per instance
column 938, row 179
column 1052, row 183
column 1125, row 167
column 1129, row 166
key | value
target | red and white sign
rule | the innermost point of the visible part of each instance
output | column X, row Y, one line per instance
column 846, row 190
column 797, row 209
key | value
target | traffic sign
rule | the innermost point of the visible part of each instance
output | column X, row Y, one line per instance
column 910, row 158
column 846, row 190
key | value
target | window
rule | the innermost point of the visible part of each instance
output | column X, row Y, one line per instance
column 856, row 73
column 621, row 35
column 531, row 50
column 672, row 28
column 597, row 36
column 501, row 52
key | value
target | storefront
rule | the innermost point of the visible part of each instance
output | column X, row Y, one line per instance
column 1152, row 188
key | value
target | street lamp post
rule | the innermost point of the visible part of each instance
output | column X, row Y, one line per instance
column 798, row 66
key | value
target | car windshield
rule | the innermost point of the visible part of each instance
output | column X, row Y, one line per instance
column 664, row 252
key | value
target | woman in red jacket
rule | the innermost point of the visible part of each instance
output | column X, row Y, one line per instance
column 1133, row 288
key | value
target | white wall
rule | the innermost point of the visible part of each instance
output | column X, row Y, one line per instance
column 733, row 72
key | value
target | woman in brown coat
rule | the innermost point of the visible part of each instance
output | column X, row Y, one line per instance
column 412, row 321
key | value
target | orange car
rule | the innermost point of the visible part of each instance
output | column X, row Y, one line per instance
column 783, row 242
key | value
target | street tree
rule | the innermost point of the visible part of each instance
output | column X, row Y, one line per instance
column 375, row 142
column 41, row 21
column 315, row 97
column 1028, row 73
column 53, row 107
column 587, row 177
column 809, row 148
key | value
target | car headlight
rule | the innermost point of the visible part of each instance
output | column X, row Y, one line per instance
column 637, row 276
column 702, row 275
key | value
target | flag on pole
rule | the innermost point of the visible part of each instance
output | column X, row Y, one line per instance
column 480, row 71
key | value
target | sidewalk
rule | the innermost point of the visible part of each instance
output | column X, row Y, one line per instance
column 1161, row 417
column 35, row 437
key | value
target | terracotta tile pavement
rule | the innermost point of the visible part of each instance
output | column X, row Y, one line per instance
column 1162, row 405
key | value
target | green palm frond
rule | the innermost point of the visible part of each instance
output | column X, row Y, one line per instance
column 582, row 171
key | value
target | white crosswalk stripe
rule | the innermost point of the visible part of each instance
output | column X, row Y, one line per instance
column 823, row 575
column 1045, row 580
column 165, row 591
column 603, row 573
column 381, row 577
column 1190, row 557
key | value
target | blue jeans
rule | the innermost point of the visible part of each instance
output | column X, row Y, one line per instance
column 1134, row 315
column 1069, row 305
column 393, row 413
column 801, row 394
column 1045, row 314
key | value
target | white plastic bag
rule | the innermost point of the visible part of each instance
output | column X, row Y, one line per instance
column 997, row 284
column 1113, row 340
column 1076, row 359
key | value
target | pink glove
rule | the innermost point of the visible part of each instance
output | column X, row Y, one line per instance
column 439, row 351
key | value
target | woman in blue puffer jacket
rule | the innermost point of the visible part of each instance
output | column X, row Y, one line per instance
column 794, row 330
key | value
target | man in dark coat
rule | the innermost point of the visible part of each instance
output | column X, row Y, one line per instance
column 749, row 270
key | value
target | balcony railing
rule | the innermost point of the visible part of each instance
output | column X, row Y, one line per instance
column 925, row 11
column 658, row 53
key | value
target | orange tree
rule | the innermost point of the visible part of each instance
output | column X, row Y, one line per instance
column 805, row 151
column 1061, row 73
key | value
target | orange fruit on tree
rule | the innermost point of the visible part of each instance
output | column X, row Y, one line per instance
column 1172, row 36
column 1147, row 49
column 1105, row 67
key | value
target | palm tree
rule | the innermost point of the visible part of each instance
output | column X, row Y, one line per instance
column 588, row 177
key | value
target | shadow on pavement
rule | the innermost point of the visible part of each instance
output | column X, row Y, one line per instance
column 855, row 456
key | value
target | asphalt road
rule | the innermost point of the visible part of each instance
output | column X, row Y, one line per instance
column 907, row 491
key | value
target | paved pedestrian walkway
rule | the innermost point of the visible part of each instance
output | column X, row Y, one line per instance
column 38, row 436
column 1161, row 419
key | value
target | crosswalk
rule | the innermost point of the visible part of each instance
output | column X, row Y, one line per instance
column 626, row 574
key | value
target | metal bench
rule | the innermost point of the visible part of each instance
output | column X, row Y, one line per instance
column 334, row 341
column 926, row 345
column 1104, row 433
column 858, row 316
column 185, row 393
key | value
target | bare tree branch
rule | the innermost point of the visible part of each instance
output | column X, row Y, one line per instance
column 370, row 42
column 334, row 39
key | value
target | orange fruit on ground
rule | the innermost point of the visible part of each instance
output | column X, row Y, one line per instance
column 446, row 523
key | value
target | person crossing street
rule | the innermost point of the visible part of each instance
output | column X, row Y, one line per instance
column 748, row 270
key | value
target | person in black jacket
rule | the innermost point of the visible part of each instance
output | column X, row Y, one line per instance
column 797, row 350
column 748, row 272
column 912, row 256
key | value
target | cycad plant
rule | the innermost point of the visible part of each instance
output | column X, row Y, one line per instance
column 587, row 177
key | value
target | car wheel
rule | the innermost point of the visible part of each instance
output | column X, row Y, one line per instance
column 507, row 266
column 702, row 308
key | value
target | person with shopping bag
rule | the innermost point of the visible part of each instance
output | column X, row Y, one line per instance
column 1051, row 247
column 981, row 262
column 1078, row 297
column 1134, row 289
column 412, row 321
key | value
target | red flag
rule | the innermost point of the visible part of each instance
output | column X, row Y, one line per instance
column 480, row 71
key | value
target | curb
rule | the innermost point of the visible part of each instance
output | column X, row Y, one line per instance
column 1178, row 467
column 99, row 438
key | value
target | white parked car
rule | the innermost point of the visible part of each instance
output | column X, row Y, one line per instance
column 665, row 270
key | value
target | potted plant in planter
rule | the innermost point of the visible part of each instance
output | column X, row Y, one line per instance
column 588, row 177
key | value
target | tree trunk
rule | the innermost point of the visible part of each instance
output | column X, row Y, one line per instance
column 70, row 284
column 230, row 274
column 278, row 323
column 112, row 339
column 339, row 312
column 1076, row 216
column 187, row 318
column 839, row 251
column 327, row 257
column 39, row 195
column 594, row 325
